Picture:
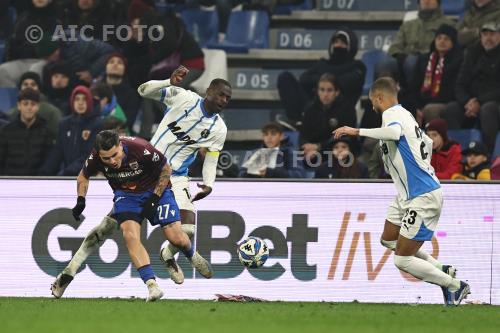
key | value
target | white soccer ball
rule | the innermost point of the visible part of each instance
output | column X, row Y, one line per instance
column 253, row 252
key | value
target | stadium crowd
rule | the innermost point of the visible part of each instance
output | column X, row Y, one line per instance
column 448, row 72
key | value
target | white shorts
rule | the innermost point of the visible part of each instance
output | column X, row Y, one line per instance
column 417, row 217
column 180, row 187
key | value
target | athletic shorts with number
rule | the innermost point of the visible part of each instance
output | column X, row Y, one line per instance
column 180, row 187
column 417, row 217
column 128, row 206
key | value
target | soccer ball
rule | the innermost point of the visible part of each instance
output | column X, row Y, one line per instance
column 253, row 252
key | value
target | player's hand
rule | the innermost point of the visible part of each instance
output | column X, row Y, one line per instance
column 178, row 75
column 345, row 130
column 79, row 207
column 149, row 207
column 205, row 191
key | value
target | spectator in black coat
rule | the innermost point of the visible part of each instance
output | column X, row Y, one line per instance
column 94, row 13
column 350, row 74
column 25, row 142
column 76, row 136
column 436, row 73
column 478, row 87
column 329, row 110
column 341, row 163
column 59, row 83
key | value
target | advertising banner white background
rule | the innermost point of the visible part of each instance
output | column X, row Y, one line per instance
column 341, row 261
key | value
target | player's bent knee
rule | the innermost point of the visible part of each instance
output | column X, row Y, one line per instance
column 402, row 262
column 391, row 245
column 130, row 237
column 107, row 226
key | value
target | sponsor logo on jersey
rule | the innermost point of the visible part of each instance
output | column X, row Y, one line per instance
column 134, row 165
column 146, row 152
column 205, row 133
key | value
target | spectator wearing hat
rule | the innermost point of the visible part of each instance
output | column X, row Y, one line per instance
column 446, row 154
column 59, row 84
column 276, row 158
column 25, row 141
column 108, row 102
column 342, row 164
column 412, row 39
column 349, row 74
column 478, row 87
column 76, row 136
column 51, row 114
column 478, row 13
column 477, row 166
column 116, row 77
column 22, row 55
column 436, row 73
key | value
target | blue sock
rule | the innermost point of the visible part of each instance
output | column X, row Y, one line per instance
column 189, row 253
column 146, row 273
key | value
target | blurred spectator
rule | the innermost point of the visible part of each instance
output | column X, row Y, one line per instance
column 478, row 13
column 328, row 111
column 342, row 164
column 478, row 87
column 76, row 136
column 477, row 166
column 59, row 84
column 128, row 98
column 436, row 73
column 5, row 22
column 51, row 114
column 26, row 141
column 349, row 73
column 22, row 54
column 108, row 102
column 495, row 169
column 93, row 13
column 112, row 123
column 414, row 38
column 223, row 7
column 149, row 59
column 276, row 159
column 447, row 155
column 223, row 171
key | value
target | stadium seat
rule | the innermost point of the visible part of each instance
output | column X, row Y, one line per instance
column 370, row 59
column 8, row 97
column 202, row 24
column 496, row 150
column 2, row 50
column 246, row 29
column 453, row 7
column 464, row 136
column 287, row 9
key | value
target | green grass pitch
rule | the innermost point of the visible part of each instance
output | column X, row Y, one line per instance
column 121, row 315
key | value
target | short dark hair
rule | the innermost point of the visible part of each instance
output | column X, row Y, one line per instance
column 101, row 90
column 105, row 140
column 216, row 82
column 385, row 84
column 29, row 94
column 272, row 127
column 329, row 77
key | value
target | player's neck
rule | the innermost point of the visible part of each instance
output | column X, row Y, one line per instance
column 391, row 104
column 206, row 109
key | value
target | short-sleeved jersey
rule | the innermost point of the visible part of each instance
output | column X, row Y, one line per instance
column 139, row 171
column 185, row 128
column 408, row 160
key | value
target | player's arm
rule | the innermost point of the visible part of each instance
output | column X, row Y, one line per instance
column 208, row 173
column 163, row 180
column 158, row 89
column 82, row 186
column 157, row 160
column 391, row 132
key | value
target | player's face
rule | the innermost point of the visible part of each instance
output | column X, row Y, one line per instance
column 29, row 83
column 376, row 99
column 272, row 139
column 59, row 81
column 80, row 104
column 443, row 43
column 218, row 97
column 28, row 109
column 490, row 39
column 327, row 93
column 115, row 66
column 473, row 160
column 437, row 140
column 112, row 157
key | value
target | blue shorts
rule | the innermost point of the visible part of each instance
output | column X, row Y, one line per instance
column 128, row 206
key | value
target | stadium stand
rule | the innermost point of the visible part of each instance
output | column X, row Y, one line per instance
column 464, row 136
column 202, row 24
column 8, row 98
column 370, row 59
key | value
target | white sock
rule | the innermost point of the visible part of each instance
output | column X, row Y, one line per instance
column 80, row 256
column 425, row 271
column 189, row 229
column 420, row 253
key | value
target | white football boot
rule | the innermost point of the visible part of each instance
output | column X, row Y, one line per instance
column 155, row 293
column 173, row 269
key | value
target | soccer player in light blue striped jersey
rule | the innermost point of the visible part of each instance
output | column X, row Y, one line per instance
column 414, row 214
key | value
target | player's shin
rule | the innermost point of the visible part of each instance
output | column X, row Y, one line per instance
column 171, row 250
column 425, row 271
column 94, row 239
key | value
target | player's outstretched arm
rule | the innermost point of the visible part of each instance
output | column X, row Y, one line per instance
column 82, row 188
column 209, row 173
column 392, row 132
column 155, row 89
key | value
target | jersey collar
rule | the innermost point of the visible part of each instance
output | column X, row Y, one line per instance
column 204, row 111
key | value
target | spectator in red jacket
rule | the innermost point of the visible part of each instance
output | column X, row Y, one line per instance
column 447, row 154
